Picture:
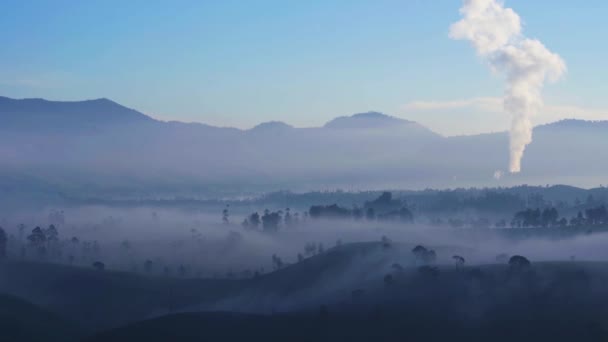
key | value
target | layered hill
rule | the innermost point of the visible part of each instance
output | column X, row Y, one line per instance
column 99, row 148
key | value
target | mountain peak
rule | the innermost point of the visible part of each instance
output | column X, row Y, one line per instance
column 45, row 113
column 271, row 125
column 366, row 120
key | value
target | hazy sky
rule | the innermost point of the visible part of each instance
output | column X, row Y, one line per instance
column 237, row 63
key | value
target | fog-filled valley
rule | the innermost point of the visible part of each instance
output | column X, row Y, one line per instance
column 323, row 258
column 116, row 226
column 314, row 171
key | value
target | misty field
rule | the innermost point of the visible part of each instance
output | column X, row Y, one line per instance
column 327, row 273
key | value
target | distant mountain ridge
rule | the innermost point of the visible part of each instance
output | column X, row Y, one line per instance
column 96, row 144
column 40, row 113
column 105, row 111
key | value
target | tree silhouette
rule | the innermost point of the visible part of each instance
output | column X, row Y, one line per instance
column 37, row 239
column 370, row 214
column 518, row 263
column 288, row 218
column 226, row 215
column 459, row 261
column 271, row 221
column 98, row 265
column 3, row 242
column 424, row 255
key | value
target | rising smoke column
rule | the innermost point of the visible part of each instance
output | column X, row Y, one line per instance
column 496, row 33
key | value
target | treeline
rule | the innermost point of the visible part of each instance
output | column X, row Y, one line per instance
column 45, row 244
column 383, row 208
column 549, row 217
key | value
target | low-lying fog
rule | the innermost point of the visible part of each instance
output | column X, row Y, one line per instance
column 175, row 242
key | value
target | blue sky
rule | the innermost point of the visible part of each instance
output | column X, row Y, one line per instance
column 238, row 63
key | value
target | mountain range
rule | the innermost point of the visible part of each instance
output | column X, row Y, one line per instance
column 99, row 147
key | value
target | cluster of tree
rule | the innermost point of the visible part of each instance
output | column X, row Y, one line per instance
column 384, row 203
column 597, row 215
column 384, row 208
column 548, row 217
column 270, row 221
column 44, row 244
column 424, row 255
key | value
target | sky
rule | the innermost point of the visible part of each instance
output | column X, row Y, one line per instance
column 239, row 63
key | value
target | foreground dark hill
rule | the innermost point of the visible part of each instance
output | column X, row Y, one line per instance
column 98, row 300
column 98, row 148
column 337, row 327
column 355, row 291
column 546, row 302
column 103, row 299
column 22, row 321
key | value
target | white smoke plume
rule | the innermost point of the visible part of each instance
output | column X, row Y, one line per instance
column 496, row 33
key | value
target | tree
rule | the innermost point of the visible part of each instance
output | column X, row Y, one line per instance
column 598, row 215
column 225, row 215
column 51, row 233
column 37, row 239
column 277, row 263
column 52, row 240
column 357, row 213
column 518, row 263
column 254, row 220
column 549, row 217
column 370, row 214
column 329, row 211
column 288, row 218
column 424, row 255
column 98, row 265
column 271, row 220
column 3, row 241
column 419, row 251
column 459, row 261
